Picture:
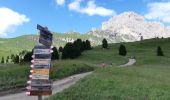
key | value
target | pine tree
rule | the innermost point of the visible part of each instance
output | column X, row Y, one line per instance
column 60, row 49
column 55, row 54
column 88, row 45
column 7, row 59
column 159, row 51
column 122, row 50
column 104, row 43
column 28, row 56
column 2, row 60
column 16, row 59
column 79, row 44
column 71, row 50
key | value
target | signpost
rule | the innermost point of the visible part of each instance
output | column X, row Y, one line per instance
column 39, row 83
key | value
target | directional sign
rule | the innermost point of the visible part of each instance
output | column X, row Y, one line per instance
column 42, row 47
column 35, row 93
column 41, row 61
column 40, row 82
column 42, row 51
column 40, row 88
column 39, row 66
column 40, row 71
column 42, row 28
column 45, row 36
column 42, row 56
column 39, row 76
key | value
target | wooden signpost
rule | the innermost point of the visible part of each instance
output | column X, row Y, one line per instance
column 39, row 83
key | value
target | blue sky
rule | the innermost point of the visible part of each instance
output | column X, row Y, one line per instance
column 20, row 17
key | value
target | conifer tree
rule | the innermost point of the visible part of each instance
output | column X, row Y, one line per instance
column 122, row 50
column 2, row 60
column 159, row 51
column 104, row 43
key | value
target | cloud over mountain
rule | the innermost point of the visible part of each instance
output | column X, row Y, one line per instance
column 159, row 11
column 90, row 9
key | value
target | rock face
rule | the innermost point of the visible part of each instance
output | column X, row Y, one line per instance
column 129, row 27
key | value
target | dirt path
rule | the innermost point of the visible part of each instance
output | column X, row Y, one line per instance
column 58, row 86
column 130, row 63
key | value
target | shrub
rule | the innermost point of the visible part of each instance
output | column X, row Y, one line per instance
column 159, row 51
column 60, row 49
column 88, row 45
column 7, row 59
column 71, row 51
column 104, row 43
column 28, row 57
column 55, row 54
column 122, row 50
column 2, row 60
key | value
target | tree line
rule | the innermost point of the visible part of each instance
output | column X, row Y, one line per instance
column 69, row 51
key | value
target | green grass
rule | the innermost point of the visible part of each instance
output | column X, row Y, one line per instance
column 148, row 79
column 13, row 76
column 131, row 83
column 66, row 68
column 16, row 76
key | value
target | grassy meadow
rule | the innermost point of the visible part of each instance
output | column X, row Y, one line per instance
column 148, row 79
column 15, row 76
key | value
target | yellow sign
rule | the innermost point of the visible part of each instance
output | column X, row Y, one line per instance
column 41, row 71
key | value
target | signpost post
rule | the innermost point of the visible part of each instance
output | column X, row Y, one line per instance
column 39, row 83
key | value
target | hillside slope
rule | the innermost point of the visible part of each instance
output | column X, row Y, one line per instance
column 148, row 79
column 27, row 42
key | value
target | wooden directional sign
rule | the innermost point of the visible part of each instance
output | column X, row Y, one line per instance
column 35, row 93
column 41, row 49
column 40, row 71
column 39, row 76
column 39, row 66
column 40, row 82
column 40, row 88
column 41, row 61
column 45, row 36
column 42, row 56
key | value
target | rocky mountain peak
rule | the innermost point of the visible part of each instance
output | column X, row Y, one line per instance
column 130, row 26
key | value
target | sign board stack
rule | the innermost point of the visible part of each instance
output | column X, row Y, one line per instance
column 40, row 83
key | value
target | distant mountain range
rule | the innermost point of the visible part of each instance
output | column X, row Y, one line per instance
column 126, row 27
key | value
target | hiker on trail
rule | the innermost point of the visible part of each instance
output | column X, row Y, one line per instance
column 103, row 65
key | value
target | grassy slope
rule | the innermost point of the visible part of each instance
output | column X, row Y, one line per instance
column 148, row 79
column 15, row 76
column 27, row 42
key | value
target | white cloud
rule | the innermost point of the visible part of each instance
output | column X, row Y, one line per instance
column 60, row 2
column 159, row 11
column 9, row 20
column 90, row 9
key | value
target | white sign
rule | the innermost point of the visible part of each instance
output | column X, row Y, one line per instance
column 42, row 51
column 41, row 61
column 38, row 76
